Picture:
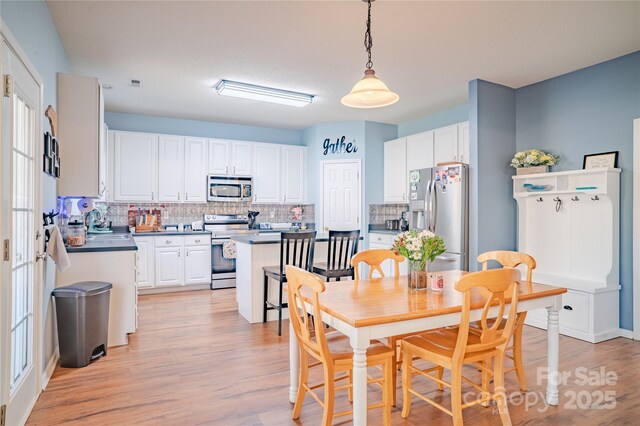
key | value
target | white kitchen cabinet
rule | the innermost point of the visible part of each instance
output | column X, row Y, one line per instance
column 445, row 141
column 195, row 169
column 228, row 157
column 420, row 151
column 197, row 264
column 266, row 173
column 135, row 166
column 294, row 161
column 241, row 158
column 463, row 142
column 169, row 266
column 80, row 136
column 145, row 262
column 395, row 171
column 171, row 167
column 103, row 174
column 385, row 241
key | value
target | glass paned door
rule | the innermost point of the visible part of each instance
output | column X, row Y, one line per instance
column 22, row 238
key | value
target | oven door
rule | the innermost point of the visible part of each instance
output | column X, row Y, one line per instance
column 223, row 271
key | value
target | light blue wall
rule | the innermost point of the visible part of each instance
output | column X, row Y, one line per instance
column 434, row 121
column 584, row 112
column 209, row 129
column 34, row 30
column 492, row 142
column 376, row 134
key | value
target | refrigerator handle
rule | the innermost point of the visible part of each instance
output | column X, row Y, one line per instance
column 427, row 210
column 434, row 208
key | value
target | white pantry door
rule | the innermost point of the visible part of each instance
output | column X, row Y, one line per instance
column 340, row 195
column 20, row 231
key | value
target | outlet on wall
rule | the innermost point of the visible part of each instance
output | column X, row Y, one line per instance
column 272, row 214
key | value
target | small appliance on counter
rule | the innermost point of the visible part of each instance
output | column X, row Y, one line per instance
column 251, row 216
column 404, row 221
column 392, row 224
column 97, row 218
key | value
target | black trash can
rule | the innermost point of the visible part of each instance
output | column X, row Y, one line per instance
column 82, row 310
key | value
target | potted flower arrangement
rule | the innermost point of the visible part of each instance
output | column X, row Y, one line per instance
column 419, row 247
column 533, row 161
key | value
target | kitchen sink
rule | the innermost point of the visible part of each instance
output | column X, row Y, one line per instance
column 109, row 237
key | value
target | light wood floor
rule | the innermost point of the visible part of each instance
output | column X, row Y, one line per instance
column 194, row 361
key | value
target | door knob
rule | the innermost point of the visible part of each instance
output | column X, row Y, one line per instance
column 326, row 228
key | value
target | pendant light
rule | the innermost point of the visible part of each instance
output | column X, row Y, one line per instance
column 370, row 92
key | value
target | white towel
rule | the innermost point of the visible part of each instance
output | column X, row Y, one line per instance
column 229, row 249
column 56, row 249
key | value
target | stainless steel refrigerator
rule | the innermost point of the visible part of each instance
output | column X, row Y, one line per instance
column 439, row 202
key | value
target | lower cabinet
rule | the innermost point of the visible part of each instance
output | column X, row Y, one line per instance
column 385, row 241
column 173, row 261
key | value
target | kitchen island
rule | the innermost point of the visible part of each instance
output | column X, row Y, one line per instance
column 110, row 258
column 253, row 252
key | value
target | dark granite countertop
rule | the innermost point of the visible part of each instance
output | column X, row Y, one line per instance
column 106, row 242
column 164, row 233
column 272, row 238
column 382, row 229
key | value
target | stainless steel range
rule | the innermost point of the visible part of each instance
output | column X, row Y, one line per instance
column 223, row 228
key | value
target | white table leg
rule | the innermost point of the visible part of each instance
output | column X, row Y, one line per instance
column 294, row 364
column 359, row 343
column 553, row 350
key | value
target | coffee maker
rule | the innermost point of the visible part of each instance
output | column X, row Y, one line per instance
column 404, row 221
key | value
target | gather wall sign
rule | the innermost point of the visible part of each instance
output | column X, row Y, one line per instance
column 339, row 146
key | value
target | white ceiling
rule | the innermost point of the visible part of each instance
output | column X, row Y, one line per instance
column 424, row 51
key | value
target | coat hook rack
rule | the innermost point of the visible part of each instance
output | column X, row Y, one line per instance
column 540, row 199
column 575, row 198
column 558, row 203
column 596, row 198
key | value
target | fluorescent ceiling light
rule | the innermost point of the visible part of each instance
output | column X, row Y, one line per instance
column 260, row 93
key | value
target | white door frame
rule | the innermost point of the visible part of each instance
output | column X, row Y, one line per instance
column 357, row 161
column 636, row 229
column 7, row 36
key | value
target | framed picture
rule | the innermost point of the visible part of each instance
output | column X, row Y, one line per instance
column 600, row 160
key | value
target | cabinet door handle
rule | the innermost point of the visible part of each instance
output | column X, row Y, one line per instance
column 187, row 253
column 379, row 239
column 178, row 196
column 197, row 241
column 168, row 242
column 226, row 169
column 186, row 196
column 152, row 196
column 284, row 199
column 234, row 170
column 178, row 253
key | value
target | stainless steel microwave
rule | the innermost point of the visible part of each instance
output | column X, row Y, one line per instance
column 229, row 188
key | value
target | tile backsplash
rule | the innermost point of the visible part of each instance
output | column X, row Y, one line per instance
column 190, row 212
column 378, row 213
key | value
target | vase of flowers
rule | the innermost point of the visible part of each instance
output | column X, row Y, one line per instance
column 419, row 247
column 533, row 161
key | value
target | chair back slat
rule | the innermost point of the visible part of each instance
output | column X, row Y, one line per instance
column 343, row 245
column 497, row 286
column 374, row 258
column 297, row 249
column 509, row 259
column 301, row 282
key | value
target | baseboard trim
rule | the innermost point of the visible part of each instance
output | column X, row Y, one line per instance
column 51, row 366
column 628, row 334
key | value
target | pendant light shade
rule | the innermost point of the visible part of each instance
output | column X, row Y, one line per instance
column 370, row 92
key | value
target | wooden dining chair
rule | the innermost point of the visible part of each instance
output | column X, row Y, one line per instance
column 296, row 248
column 329, row 350
column 374, row 258
column 343, row 245
column 452, row 348
column 511, row 259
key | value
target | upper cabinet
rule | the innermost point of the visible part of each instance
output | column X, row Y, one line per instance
column 463, row 142
column 420, row 151
column 266, row 179
column 135, row 162
column 230, row 157
column 171, row 167
column 196, row 162
column 80, row 135
column 294, row 160
column 395, row 171
column 445, row 142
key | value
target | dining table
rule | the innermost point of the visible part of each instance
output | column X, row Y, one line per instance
column 378, row 308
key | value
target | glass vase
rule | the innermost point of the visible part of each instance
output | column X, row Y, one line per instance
column 417, row 276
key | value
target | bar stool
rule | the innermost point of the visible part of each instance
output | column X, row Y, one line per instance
column 296, row 248
column 343, row 245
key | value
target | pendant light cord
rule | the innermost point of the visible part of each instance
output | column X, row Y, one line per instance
column 368, row 40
